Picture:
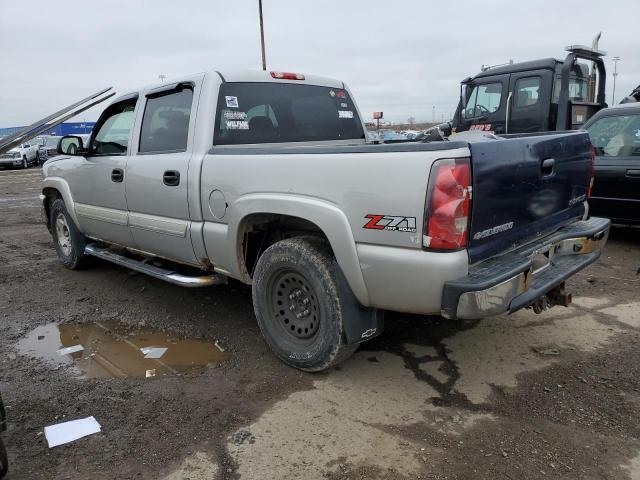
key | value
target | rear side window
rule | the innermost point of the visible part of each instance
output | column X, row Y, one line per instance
column 113, row 129
column 165, row 124
column 527, row 91
column 616, row 136
column 250, row 113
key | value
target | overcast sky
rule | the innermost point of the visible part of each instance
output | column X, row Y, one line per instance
column 402, row 57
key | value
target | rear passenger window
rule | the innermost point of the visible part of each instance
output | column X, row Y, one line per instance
column 527, row 91
column 165, row 124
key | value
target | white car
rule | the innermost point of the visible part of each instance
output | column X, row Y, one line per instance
column 23, row 156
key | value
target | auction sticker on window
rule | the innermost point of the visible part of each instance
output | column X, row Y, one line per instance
column 237, row 125
column 232, row 102
column 345, row 114
column 235, row 115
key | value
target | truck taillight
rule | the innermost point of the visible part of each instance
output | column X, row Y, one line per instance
column 446, row 224
column 287, row 76
column 593, row 171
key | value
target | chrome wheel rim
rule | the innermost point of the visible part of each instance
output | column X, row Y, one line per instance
column 63, row 235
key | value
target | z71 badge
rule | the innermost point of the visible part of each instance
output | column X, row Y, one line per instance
column 389, row 222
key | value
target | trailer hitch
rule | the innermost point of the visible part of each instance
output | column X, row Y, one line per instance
column 555, row 296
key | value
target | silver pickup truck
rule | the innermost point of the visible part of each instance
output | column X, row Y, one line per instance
column 266, row 177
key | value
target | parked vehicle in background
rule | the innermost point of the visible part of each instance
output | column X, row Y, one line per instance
column 267, row 177
column 51, row 145
column 373, row 136
column 615, row 135
column 390, row 137
column 23, row 156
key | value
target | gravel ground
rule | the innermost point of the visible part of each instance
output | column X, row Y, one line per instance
column 528, row 396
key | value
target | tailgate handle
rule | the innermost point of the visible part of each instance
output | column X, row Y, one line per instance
column 547, row 166
column 633, row 173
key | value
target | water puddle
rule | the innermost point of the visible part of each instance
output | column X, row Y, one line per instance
column 113, row 350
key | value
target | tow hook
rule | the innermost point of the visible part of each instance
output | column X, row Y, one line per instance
column 556, row 296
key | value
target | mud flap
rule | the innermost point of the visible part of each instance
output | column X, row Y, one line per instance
column 360, row 323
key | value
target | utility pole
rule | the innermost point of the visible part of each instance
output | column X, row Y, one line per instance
column 433, row 114
column 264, row 59
column 162, row 77
column 615, row 74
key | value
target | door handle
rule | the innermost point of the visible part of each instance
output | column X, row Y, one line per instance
column 171, row 178
column 117, row 175
column 547, row 166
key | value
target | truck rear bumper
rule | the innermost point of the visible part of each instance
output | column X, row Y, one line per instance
column 509, row 282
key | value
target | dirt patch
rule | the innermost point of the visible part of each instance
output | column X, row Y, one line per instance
column 522, row 396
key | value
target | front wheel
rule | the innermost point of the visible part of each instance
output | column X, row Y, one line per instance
column 67, row 240
column 25, row 163
column 295, row 298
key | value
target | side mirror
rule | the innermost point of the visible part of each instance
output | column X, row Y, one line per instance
column 70, row 145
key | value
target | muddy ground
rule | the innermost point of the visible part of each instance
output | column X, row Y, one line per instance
column 529, row 396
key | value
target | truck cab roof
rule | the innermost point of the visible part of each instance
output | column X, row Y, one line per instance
column 544, row 63
column 240, row 76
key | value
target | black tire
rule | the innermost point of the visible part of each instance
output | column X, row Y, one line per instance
column 25, row 163
column 295, row 299
column 37, row 160
column 69, row 247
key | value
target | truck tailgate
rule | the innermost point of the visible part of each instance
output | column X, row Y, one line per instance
column 525, row 187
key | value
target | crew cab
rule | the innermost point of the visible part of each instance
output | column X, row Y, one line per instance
column 267, row 178
column 22, row 156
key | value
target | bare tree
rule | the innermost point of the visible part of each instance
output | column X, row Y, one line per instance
column 411, row 121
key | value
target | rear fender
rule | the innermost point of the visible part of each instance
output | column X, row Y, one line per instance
column 326, row 216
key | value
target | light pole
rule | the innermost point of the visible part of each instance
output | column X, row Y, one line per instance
column 433, row 114
column 615, row 74
column 264, row 60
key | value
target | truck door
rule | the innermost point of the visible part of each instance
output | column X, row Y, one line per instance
column 157, row 173
column 530, row 103
column 486, row 104
column 97, row 183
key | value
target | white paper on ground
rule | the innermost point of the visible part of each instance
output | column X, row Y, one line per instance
column 153, row 352
column 68, row 350
column 66, row 432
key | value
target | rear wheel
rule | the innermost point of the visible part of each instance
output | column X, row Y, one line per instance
column 67, row 240
column 295, row 298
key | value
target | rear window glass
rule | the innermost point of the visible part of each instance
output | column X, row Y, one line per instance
column 283, row 112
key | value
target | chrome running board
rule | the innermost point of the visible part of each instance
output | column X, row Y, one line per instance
column 153, row 271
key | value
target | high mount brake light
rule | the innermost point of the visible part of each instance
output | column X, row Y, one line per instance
column 446, row 224
column 287, row 76
column 593, row 171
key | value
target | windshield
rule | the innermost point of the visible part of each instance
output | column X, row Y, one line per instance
column 251, row 113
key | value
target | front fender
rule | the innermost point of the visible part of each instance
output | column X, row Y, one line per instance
column 325, row 215
column 61, row 185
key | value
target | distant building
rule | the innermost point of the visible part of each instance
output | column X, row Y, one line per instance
column 71, row 128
